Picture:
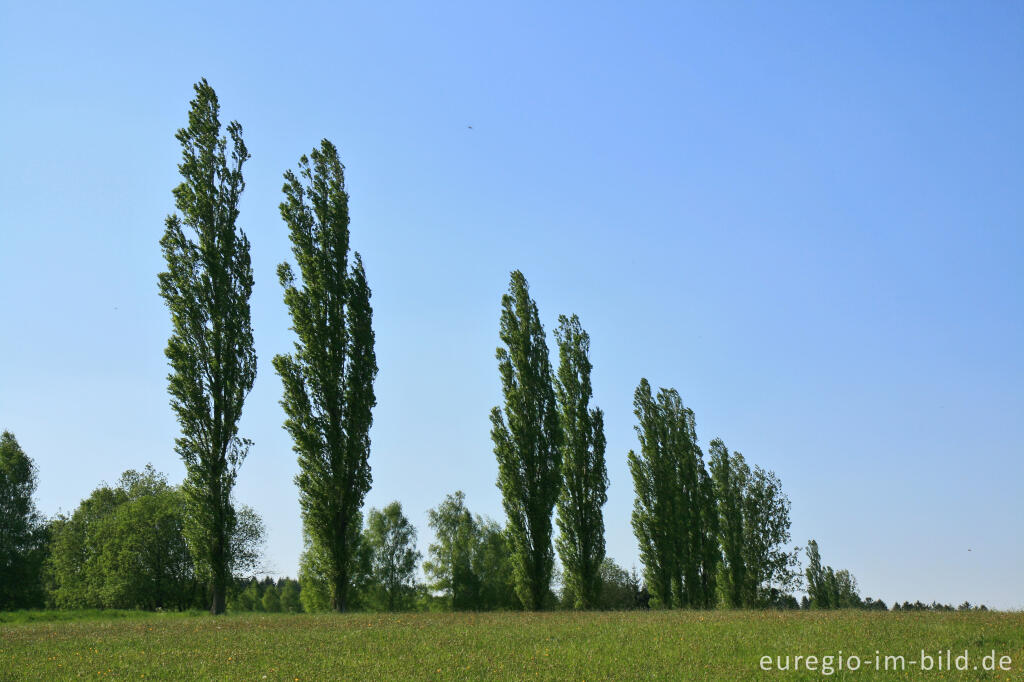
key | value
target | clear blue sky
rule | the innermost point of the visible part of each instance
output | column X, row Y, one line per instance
column 806, row 217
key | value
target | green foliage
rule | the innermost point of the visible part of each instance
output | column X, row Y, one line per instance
column 757, row 570
column 391, row 541
column 843, row 586
column 771, row 569
column 271, row 600
column 674, row 515
column 817, row 588
column 704, row 536
column 247, row 598
column 654, row 510
column 730, row 475
column 469, row 560
column 315, row 586
column 492, row 567
column 585, row 477
column 827, row 587
column 619, row 589
column 291, row 601
column 22, row 531
column 206, row 287
column 124, row 547
column 527, row 442
column 450, row 563
column 328, row 380
column 247, row 542
column 315, row 593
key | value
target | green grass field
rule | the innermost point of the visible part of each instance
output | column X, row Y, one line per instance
column 677, row 645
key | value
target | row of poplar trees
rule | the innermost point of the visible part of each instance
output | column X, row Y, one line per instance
column 708, row 534
column 550, row 448
column 549, row 442
column 328, row 378
column 699, row 533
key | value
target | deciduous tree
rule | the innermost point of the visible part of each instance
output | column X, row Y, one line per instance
column 730, row 474
column 527, row 442
column 290, row 597
column 771, row 568
column 328, row 379
column 655, row 507
column 829, row 588
column 392, row 542
column 674, row 514
column 584, row 475
column 492, row 567
column 271, row 600
column 450, row 562
column 124, row 547
column 469, row 560
column 206, row 287
column 21, row 529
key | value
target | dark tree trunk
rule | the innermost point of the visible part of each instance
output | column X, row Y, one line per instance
column 217, row 607
column 339, row 598
column 220, row 577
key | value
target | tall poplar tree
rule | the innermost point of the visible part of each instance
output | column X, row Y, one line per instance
column 817, row 582
column 681, row 443
column 584, row 475
column 753, row 515
column 730, row 474
column 527, row 440
column 22, row 533
column 207, row 287
column 708, row 548
column 328, row 380
column 674, row 516
column 655, row 507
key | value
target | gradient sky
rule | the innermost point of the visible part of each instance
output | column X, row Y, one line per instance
column 806, row 217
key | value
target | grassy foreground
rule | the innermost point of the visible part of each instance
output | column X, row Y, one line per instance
column 579, row 646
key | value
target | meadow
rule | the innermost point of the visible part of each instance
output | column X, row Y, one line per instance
column 677, row 645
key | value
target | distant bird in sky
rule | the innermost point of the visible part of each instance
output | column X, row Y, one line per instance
column 470, row 127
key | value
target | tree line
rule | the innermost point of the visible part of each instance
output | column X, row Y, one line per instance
column 124, row 547
column 711, row 532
